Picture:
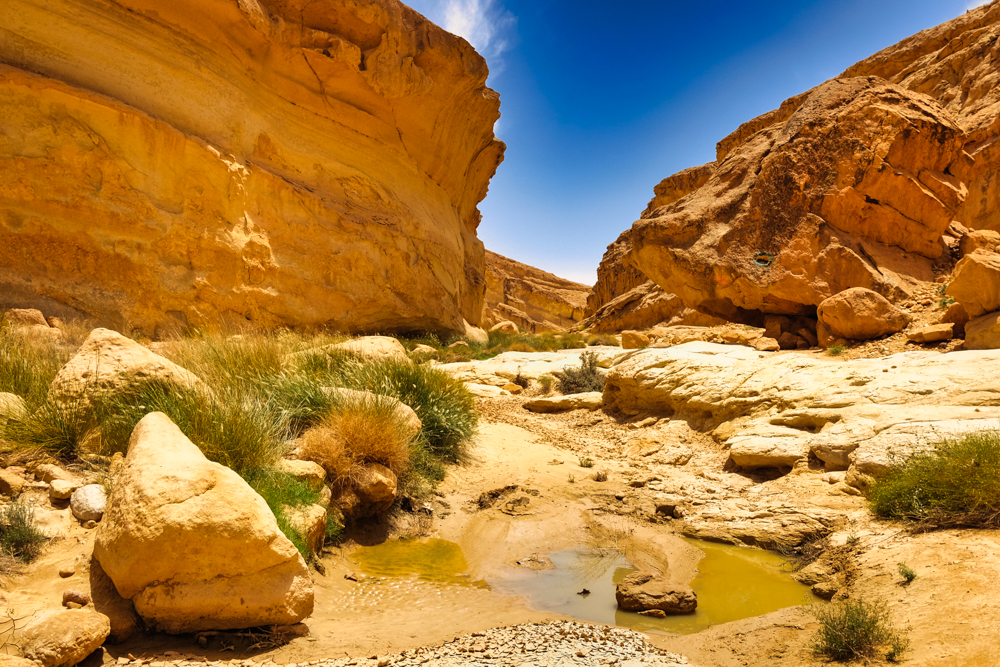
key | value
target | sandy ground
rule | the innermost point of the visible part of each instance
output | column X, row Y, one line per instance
column 950, row 609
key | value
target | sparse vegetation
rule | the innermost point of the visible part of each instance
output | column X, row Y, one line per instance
column 571, row 478
column 262, row 392
column 857, row 630
column 585, row 378
column 504, row 342
column 943, row 299
column 520, row 380
column 953, row 485
column 20, row 537
column 907, row 573
column 600, row 476
column 545, row 382
column 836, row 350
column 586, row 462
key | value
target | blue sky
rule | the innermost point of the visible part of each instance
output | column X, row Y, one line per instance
column 600, row 101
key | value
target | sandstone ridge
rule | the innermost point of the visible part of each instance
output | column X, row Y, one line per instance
column 280, row 162
column 536, row 301
column 855, row 183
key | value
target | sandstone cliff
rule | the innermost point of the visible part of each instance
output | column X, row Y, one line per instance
column 533, row 299
column 272, row 161
column 852, row 184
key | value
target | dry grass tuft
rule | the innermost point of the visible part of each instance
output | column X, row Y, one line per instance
column 359, row 430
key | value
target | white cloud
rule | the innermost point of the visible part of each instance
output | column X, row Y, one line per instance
column 977, row 3
column 486, row 24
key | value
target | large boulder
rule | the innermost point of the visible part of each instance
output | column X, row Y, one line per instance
column 108, row 363
column 63, row 638
column 983, row 333
column 859, row 314
column 376, row 348
column 975, row 283
column 173, row 524
column 645, row 591
column 125, row 623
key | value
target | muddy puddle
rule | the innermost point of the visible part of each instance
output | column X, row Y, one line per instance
column 732, row 583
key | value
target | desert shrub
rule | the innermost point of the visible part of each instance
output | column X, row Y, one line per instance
column 545, row 382
column 585, row 378
column 586, row 462
column 359, row 430
column 857, row 630
column 907, row 573
column 19, row 535
column 520, row 380
column 835, row 351
column 445, row 407
column 954, row 484
column 521, row 347
column 48, row 427
column 600, row 476
column 593, row 340
column 27, row 368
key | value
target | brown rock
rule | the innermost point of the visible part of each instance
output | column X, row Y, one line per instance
column 633, row 340
column 983, row 333
column 355, row 131
column 60, row 489
column 534, row 300
column 25, row 317
column 374, row 489
column 173, row 523
column 765, row 344
column 956, row 315
column 310, row 521
column 931, row 334
column 615, row 275
column 11, row 483
column 642, row 307
column 861, row 314
column 78, row 597
column 975, row 283
column 15, row 661
column 63, row 638
column 505, row 327
column 642, row 591
column 789, row 341
column 377, row 348
column 125, row 623
column 512, row 388
column 979, row 239
column 309, row 472
column 49, row 472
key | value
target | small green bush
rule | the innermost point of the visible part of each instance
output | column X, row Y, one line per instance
column 586, row 462
column 585, row 378
column 857, row 630
column 19, row 535
column 956, row 484
column 545, row 382
column 907, row 573
column 836, row 350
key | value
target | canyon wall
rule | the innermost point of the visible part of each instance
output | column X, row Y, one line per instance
column 536, row 301
column 278, row 162
column 855, row 183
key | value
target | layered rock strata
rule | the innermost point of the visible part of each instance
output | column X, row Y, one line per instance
column 534, row 300
column 279, row 162
column 852, row 184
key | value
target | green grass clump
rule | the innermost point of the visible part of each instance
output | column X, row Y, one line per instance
column 585, row 378
column 954, row 485
column 857, row 630
column 907, row 573
column 586, row 462
column 19, row 535
column 836, row 350
column 505, row 342
column 545, row 382
column 27, row 368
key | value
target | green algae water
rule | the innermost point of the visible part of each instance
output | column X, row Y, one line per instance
column 732, row 583
column 435, row 561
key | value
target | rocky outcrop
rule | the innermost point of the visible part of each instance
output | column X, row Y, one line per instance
column 615, row 275
column 173, row 523
column 852, row 184
column 777, row 411
column 532, row 299
column 639, row 308
column 278, row 162
column 858, row 314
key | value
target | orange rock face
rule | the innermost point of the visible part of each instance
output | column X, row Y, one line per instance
column 851, row 184
column 280, row 162
column 534, row 300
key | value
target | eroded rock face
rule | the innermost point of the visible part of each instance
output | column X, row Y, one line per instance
column 280, row 162
column 851, row 184
column 172, row 525
column 534, row 300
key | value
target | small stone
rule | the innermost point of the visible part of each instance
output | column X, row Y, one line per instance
column 78, row 597
column 67, row 571
column 61, row 489
column 88, row 502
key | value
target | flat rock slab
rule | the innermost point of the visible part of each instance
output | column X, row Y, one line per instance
column 590, row 400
